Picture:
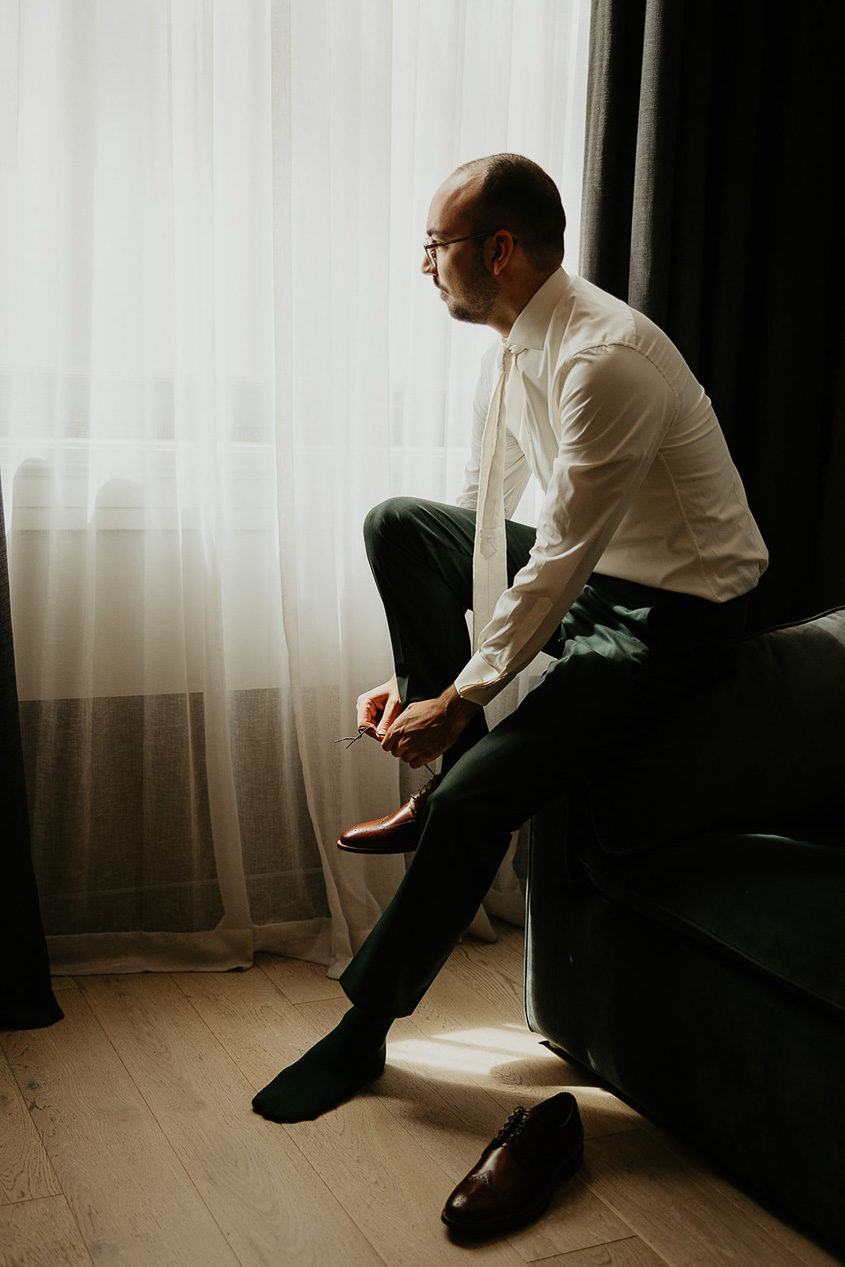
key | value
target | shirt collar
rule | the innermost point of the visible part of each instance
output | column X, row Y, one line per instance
column 532, row 325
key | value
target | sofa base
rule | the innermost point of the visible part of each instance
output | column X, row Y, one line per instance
column 735, row 1062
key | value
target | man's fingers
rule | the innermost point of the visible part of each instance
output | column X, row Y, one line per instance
column 415, row 746
column 392, row 710
column 374, row 706
column 367, row 717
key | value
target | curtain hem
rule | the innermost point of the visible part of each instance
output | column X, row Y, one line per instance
column 217, row 950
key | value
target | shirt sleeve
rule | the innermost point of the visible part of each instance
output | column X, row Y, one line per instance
column 613, row 411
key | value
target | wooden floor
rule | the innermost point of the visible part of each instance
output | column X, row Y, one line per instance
column 128, row 1138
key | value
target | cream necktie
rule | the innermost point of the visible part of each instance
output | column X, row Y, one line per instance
column 489, row 559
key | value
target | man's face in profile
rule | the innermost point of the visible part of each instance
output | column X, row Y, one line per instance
column 467, row 287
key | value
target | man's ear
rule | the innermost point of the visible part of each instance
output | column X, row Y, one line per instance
column 501, row 250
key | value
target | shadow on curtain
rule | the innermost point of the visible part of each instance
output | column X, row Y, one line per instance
column 26, row 996
column 712, row 135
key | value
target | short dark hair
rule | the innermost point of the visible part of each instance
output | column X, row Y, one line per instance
column 516, row 194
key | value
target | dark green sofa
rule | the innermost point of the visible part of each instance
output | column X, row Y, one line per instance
column 686, row 938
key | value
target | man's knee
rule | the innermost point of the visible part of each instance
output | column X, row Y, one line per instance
column 387, row 523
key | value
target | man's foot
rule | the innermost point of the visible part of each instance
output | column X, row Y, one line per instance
column 397, row 833
column 331, row 1072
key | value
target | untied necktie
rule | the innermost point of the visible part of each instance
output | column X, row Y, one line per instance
column 489, row 560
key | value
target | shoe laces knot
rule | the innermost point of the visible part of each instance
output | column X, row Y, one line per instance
column 513, row 1127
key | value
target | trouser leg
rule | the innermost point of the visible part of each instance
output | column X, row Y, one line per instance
column 626, row 665
column 420, row 553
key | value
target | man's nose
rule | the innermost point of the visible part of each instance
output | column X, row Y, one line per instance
column 427, row 267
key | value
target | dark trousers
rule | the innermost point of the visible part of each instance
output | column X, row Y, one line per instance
column 626, row 655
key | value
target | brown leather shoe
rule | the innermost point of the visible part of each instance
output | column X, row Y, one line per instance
column 514, row 1178
column 397, row 833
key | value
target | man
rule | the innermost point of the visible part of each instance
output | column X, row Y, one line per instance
column 635, row 581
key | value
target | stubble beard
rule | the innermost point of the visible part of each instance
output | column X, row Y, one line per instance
column 480, row 293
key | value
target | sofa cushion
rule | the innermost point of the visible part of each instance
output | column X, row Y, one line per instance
column 776, row 901
column 769, row 742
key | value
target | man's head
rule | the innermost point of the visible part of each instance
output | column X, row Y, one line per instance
column 506, row 215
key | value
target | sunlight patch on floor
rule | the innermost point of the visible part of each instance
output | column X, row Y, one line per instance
column 466, row 1051
column 476, row 1051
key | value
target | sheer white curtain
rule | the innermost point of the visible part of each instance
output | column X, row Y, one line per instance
column 216, row 353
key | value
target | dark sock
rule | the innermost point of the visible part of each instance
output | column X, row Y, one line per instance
column 330, row 1072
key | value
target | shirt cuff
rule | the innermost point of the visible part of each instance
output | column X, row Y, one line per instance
column 480, row 682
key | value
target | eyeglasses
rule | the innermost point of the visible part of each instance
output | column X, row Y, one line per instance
column 430, row 248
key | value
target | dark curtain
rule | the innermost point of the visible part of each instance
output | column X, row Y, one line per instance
column 711, row 203
column 26, row 995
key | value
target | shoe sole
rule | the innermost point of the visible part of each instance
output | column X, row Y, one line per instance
column 374, row 849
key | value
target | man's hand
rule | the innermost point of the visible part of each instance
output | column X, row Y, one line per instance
column 379, row 708
column 425, row 730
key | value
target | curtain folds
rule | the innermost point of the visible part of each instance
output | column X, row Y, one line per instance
column 26, row 996
column 216, row 353
column 708, row 204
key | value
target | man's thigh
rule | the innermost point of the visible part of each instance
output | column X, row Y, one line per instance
column 584, row 708
column 616, row 678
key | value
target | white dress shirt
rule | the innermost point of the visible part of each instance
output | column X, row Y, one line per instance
column 601, row 407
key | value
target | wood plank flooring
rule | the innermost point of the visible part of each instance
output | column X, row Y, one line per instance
column 128, row 1138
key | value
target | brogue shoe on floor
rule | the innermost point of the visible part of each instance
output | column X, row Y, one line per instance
column 514, row 1178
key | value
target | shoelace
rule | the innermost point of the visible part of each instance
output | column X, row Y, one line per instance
column 513, row 1127
column 427, row 788
column 362, row 730
column 349, row 740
